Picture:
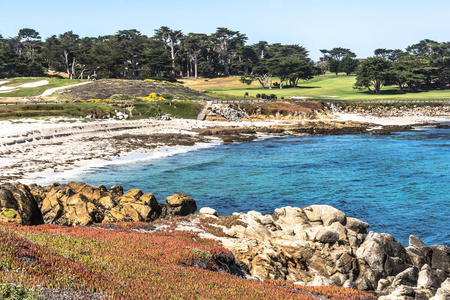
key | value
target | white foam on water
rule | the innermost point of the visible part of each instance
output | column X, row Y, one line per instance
column 163, row 152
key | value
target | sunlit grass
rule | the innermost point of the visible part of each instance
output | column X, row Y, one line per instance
column 35, row 91
column 320, row 87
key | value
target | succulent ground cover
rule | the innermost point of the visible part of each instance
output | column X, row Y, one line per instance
column 125, row 262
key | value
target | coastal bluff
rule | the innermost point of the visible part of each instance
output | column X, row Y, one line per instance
column 315, row 245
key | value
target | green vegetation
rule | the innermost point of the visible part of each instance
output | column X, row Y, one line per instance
column 320, row 88
column 60, row 110
column 154, row 265
column 36, row 91
column 177, row 109
column 13, row 292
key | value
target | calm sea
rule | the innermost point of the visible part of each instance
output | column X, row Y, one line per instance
column 399, row 183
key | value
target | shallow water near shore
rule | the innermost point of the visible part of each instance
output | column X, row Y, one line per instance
column 397, row 183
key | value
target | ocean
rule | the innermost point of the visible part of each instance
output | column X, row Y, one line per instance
column 398, row 183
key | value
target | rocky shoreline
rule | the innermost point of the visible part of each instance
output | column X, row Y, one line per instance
column 314, row 245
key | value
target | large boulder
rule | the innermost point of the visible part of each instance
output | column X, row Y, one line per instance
column 180, row 205
column 17, row 205
column 133, row 206
column 325, row 214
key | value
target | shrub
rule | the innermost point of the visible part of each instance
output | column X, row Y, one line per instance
column 121, row 97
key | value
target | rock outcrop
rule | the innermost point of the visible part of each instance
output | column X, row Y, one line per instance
column 81, row 204
column 320, row 245
column 18, row 205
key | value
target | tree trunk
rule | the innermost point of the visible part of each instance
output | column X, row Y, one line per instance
column 195, row 67
column 74, row 64
column 227, row 73
column 270, row 82
column 66, row 62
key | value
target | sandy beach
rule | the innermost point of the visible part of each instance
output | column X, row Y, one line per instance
column 31, row 149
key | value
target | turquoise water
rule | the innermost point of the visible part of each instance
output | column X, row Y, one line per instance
column 399, row 183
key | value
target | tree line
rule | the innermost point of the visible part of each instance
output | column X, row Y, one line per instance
column 132, row 55
column 422, row 66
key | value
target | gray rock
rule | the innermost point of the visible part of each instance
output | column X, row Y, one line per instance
column 356, row 225
column 208, row 211
column 327, row 236
column 324, row 213
column 407, row 277
column 440, row 258
column 443, row 293
column 418, row 252
column 427, row 278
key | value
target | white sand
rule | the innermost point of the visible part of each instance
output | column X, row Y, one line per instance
column 32, row 148
column 33, row 84
column 3, row 82
column 51, row 91
column 407, row 120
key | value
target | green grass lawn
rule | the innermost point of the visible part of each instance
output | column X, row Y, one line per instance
column 35, row 91
column 320, row 87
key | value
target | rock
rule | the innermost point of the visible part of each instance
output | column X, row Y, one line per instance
column 407, row 277
column 325, row 214
column 77, row 203
column 427, row 278
column 400, row 293
column 17, row 205
column 440, row 258
column 180, row 205
column 208, row 211
column 443, row 293
column 356, row 225
column 327, row 236
column 418, row 252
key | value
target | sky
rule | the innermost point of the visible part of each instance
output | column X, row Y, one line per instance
column 361, row 26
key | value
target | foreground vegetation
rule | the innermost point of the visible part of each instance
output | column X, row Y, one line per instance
column 184, row 110
column 122, row 263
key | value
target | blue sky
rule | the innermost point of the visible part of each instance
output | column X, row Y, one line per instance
column 361, row 26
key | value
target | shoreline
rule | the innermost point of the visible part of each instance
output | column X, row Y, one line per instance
column 31, row 149
column 34, row 148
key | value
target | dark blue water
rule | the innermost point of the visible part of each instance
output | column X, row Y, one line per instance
column 399, row 184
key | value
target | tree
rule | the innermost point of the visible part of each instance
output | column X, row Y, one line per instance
column 335, row 57
column 374, row 72
column 392, row 55
column 262, row 73
column 156, row 60
column 348, row 65
column 68, row 43
column 323, row 65
column 171, row 39
column 30, row 40
column 291, row 70
column 260, row 48
column 194, row 44
column 245, row 59
column 225, row 43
